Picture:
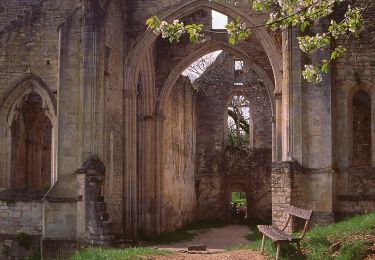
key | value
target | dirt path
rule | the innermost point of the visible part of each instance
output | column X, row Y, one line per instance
column 216, row 241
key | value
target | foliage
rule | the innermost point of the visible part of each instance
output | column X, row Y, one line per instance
column 239, row 198
column 319, row 242
column 173, row 31
column 123, row 254
column 23, row 240
column 237, row 31
column 281, row 15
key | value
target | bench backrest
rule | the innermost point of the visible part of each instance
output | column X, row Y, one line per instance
column 300, row 213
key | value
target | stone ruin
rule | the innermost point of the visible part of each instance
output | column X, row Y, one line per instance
column 103, row 140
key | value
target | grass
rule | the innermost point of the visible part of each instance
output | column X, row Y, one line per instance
column 348, row 238
column 116, row 254
column 183, row 234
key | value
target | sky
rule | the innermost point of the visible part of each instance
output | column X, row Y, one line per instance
column 218, row 20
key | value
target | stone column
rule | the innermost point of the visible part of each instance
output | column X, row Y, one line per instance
column 80, row 117
column 304, row 177
column 149, row 185
column 92, row 81
column 317, row 140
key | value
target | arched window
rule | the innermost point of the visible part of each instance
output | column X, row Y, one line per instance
column 31, row 144
column 361, row 129
column 239, row 129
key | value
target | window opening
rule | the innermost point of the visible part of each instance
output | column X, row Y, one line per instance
column 361, row 129
column 238, row 121
column 238, row 72
column 31, row 145
column 219, row 20
column 198, row 67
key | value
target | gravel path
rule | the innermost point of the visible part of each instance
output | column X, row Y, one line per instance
column 216, row 241
column 234, row 255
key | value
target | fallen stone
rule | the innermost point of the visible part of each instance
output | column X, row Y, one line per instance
column 197, row 248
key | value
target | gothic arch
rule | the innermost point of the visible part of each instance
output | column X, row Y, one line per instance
column 185, row 9
column 13, row 99
column 207, row 48
column 369, row 89
column 133, row 65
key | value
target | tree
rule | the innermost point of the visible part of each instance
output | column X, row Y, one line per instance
column 282, row 14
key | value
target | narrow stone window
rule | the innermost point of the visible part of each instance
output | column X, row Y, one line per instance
column 361, row 129
column 238, row 121
column 238, row 72
column 31, row 144
column 219, row 20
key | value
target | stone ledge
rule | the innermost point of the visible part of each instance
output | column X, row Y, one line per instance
column 356, row 198
column 21, row 195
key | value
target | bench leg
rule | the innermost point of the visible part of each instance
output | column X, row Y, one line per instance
column 278, row 251
column 298, row 247
column 262, row 247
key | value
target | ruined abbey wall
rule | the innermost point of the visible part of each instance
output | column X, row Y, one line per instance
column 179, row 149
column 222, row 169
column 113, row 109
column 352, row 73
column 29, row 40
column 124, row 120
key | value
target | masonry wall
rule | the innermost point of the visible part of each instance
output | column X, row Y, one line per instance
column 219, row 168
column 30, row 45
column 353, row 72
column 113, row 125
column 21, row 225
column 178, row 165
column 19, row 216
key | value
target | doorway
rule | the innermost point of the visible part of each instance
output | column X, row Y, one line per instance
column 238, row 207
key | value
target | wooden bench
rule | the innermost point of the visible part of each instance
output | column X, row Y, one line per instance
column 279, row 236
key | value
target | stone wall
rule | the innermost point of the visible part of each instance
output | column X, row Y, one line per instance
column 113, row 125
column 216, row 171
column 295, row 185
column 251, row 169
column 21, row 216
column 351, row 73
column 179, row 156
column 30, row 45
column 21, row 224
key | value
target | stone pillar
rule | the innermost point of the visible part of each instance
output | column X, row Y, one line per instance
column 92, row 82
column 80, row 118
column 149, row 176
column 304, row 177
column 317, row 143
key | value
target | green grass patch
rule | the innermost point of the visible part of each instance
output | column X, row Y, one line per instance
column 116, row 254
column 318, row 242
column 185, row 233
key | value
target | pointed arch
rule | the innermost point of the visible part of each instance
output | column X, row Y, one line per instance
column 366, row 87
column 11, row 102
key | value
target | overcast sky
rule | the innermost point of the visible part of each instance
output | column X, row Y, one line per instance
column 218, row 20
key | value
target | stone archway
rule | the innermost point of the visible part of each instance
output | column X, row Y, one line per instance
column 138, row 60
column 19, row 90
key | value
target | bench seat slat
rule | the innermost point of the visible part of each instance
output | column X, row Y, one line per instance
column 274, row 233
